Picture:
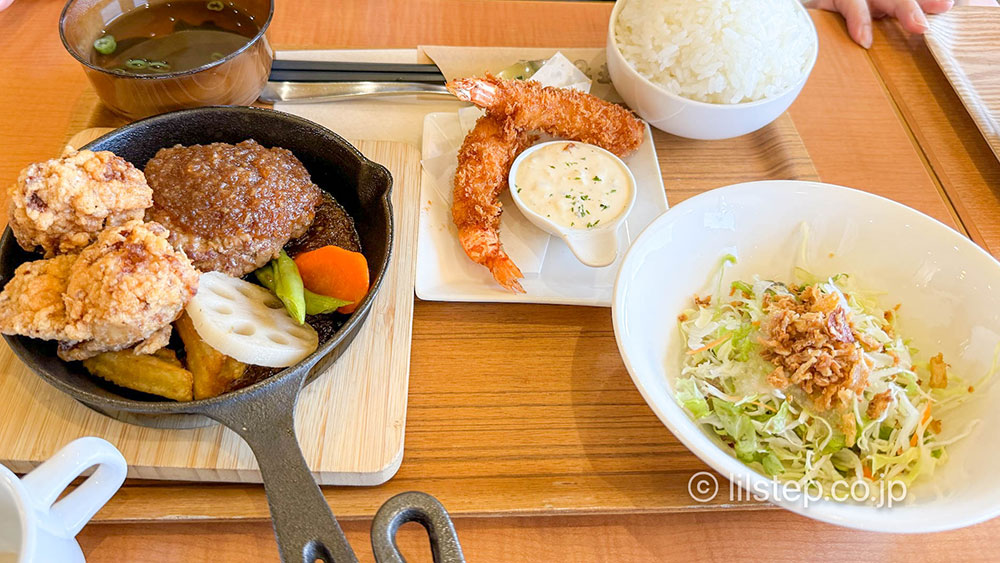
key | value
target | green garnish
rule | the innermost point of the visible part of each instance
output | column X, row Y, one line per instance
column 159, row 66
column 597, row 179
column 136, row 64
column 316, row 304
column 288, row 287
column 215, row 6
column 105, row 45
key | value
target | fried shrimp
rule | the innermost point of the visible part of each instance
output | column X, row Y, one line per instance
column 560, row 112
column 513, row 108
column 483, row 164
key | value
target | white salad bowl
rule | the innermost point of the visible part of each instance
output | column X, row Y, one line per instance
column 949, row 289
column 693, row 119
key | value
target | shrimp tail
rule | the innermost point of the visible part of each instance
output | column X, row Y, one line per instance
column 483, row 247
column 476, row 90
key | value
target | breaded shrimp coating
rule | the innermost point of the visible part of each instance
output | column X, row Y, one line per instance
column 32, row 302
column 126, row 288
column 59, row 206
column 483, row 164
column 560, row 112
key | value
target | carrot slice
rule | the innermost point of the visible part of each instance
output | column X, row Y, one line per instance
column 335, row 272
column 710, row 345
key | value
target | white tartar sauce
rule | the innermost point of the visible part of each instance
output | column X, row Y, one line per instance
column 573, row 184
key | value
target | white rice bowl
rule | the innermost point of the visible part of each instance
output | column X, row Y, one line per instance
column 717, row 51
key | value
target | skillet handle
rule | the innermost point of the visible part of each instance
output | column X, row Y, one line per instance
column 428, row 512
column 304, row 525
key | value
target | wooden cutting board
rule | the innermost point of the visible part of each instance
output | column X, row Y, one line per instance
column 349, row 421
column 966, row 44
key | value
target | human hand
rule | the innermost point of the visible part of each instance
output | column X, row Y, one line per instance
column 859, row 14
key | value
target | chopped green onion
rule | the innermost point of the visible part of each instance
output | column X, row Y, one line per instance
column 215, row 6
column 105, row 45
column 136, row 64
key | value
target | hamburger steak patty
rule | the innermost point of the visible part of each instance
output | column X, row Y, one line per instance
column 230, row 208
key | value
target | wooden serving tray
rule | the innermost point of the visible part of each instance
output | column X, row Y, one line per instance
column 965, row 43
column 349, row 421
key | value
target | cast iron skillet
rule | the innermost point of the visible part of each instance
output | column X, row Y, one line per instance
column 261, row 414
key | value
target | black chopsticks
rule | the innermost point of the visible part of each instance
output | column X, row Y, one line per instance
column 334, row 71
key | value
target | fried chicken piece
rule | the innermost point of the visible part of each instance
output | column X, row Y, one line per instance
column 32, row 302
column 127, row 288
column 60, row 205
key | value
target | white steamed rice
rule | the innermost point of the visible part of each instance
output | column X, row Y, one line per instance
column 717, row 51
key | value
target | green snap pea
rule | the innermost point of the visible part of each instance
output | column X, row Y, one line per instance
column 265, row 275
column 288, row 287
column 105, row 45
column 316, row 304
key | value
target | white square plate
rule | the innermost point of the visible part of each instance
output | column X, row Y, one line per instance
column 445, row 273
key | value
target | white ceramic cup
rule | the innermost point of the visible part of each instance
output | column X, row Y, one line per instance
column 33, row 526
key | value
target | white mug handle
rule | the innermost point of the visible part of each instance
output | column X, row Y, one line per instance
column 47, row 481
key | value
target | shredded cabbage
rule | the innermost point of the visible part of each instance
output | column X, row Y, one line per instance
column 723, row 386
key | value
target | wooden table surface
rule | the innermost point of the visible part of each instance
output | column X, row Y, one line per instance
column 522, row 419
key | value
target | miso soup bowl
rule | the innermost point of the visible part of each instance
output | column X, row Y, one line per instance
column 235, row 79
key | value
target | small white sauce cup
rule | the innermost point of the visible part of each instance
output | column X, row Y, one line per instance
column 595, row 247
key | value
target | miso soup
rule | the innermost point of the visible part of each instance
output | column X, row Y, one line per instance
column 171, row 37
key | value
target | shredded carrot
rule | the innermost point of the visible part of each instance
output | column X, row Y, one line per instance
column 972, row 389
column 762, row 405
column 755, row 323
column 710, row 345
column 923, row 421
column 867, row 472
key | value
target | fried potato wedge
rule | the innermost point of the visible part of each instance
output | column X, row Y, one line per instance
column 213, row 371
column 155, row 374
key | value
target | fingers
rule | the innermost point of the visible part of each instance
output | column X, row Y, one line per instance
column 856, row 14
column 936, row 6
column 858, row 18
column 910, row 13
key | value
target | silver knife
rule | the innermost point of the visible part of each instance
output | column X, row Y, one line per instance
column 307, row 92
